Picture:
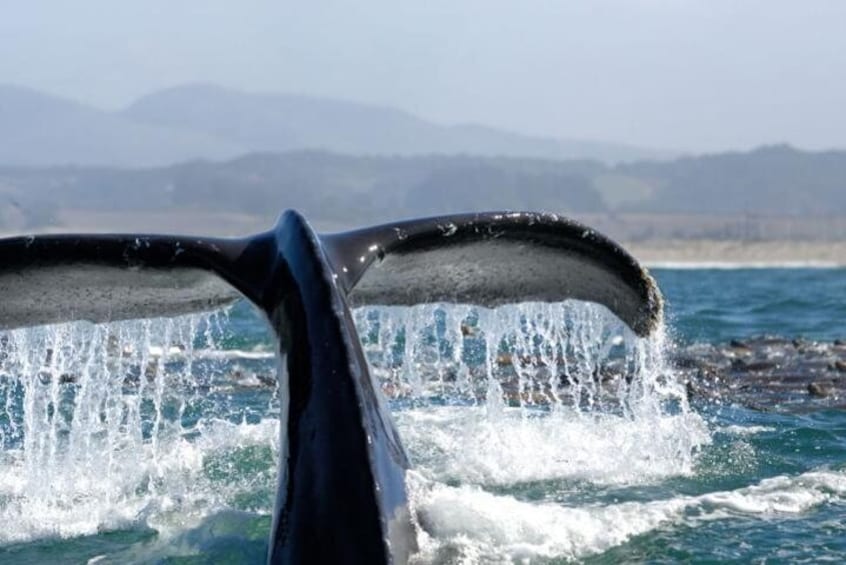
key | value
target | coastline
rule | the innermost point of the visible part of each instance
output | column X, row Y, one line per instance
column 704, row 253
column 675, row 253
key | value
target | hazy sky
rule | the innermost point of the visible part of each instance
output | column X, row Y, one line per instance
column 678, row 74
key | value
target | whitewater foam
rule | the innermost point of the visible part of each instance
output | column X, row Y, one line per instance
column 466, row 524
column 170, row 490
column 530, row 392
column 465, row 444
column 113, row 426
column 109, row 426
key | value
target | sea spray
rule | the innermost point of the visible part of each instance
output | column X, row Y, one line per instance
column 136, row 424
column 527, row 398
column 529, row 355
column 531, row 391
column 466, row 524
column 105, row 426
column 570, row 484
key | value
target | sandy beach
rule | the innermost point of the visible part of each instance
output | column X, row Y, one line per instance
column 703, row 252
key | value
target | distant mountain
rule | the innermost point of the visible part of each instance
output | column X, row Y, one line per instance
column 772, row 192
column 776, row 179
column 285, row 122
column 213, row 123
column 41, row 130
column 330, row 188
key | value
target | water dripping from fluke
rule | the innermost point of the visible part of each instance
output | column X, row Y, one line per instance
column 342, row 465
column 521, row 398
column 531, row 391
column 115, row 426
column 108, row 426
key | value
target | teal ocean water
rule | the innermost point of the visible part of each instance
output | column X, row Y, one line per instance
column 539, row 433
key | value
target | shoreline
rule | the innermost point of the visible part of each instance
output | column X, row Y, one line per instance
column 675, row 253
column 726, row 254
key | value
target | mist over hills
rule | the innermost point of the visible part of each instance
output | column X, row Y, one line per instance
column 771, row 192
column 214, row 123
column 41, row 130
column 285, row 122
column 330, row 188
column 202, row 151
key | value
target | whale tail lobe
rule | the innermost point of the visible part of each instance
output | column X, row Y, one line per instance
column 341, row 493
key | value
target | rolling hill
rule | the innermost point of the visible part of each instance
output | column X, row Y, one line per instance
column 38, row 130
column 207, row 122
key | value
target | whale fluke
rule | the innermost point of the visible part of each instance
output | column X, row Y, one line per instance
column 492, row 259
column 341, row 495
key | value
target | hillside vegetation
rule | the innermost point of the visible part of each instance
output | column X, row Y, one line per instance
column 759, row 190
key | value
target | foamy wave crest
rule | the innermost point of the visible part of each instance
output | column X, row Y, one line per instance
column 469, row 525
column 465, row 444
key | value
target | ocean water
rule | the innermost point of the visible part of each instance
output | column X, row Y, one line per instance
column 538, row 433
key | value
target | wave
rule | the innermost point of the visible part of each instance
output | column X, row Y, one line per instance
column 470, row 525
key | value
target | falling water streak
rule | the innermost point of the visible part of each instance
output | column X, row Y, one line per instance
column 105, row 412
column 526, row 394
column 90, row 416
column 526, row 355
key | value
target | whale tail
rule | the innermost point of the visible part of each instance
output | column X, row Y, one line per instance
column 341, row 493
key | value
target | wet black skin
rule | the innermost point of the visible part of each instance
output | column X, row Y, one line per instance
column 341, row 495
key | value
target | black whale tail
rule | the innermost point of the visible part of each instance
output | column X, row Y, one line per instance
column 341, row 489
